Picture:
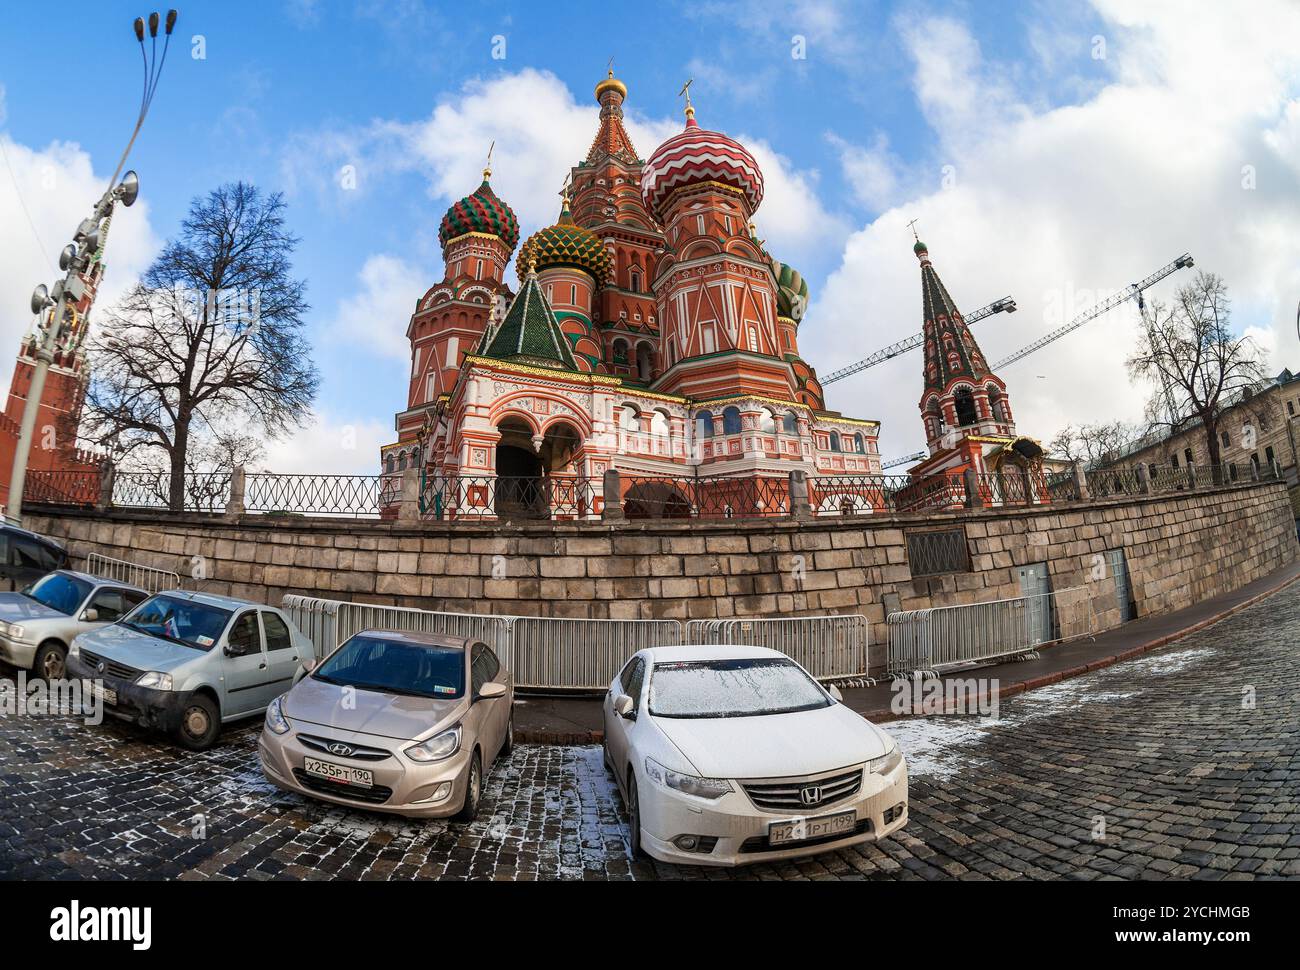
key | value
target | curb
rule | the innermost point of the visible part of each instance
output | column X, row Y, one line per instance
column 578, row 738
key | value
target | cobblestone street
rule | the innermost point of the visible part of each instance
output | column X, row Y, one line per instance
column 1163, row 757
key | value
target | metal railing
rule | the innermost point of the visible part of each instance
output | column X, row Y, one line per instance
column 201, row 491
column 943, row 637
column 78, row 487
column 559, row 653
column 707, row 497
column 508, row 497
column 148, row 578
column 351, row 495
column 828, row 647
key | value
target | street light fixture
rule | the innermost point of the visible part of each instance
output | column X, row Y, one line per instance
column 76, row 258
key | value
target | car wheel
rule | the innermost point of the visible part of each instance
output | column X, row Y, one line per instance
column 634, row 817
column 51, row 662
column 508, row 744
column 473, row 790
column 200, row 724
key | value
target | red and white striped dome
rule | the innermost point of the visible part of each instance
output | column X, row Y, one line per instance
column 697, row 156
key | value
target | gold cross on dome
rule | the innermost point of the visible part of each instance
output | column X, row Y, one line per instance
column 487, row 169
column 686, row 92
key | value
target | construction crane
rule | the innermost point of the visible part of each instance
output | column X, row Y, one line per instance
column 905, row 460
column 916, row 340
column 1133, row 290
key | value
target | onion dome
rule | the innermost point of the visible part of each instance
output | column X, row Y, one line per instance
column 920, row 248
column 481, row 212
column 565, row 244
column 697, row 156
column 791, row 291
column 611, row 83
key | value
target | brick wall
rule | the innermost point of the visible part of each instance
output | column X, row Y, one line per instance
column 1180, row 549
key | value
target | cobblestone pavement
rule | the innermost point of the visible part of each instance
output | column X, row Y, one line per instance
column 1164, row 756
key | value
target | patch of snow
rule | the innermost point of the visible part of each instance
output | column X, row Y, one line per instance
column 1167, row 663
column 932, row 745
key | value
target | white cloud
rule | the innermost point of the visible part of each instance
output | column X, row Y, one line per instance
column 1058, row 204
column 872, row 173
column 57, row 186
column 374, row 319
column 333, row 444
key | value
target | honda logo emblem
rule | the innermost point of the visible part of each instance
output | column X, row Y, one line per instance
column 342, row 750
column 810, row 794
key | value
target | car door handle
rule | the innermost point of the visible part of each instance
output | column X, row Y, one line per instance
column 261, row 666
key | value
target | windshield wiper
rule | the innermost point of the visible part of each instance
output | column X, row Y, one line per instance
column 160, row 635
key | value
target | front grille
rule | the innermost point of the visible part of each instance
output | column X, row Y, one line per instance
column 360, row 752
column 111, row 667
column 759, row 843
column 373, row 796
column 787, row 794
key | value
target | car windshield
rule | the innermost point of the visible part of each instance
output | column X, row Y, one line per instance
column 58, row 591
column 396, row 667
column 182, row 621
column 733, row 688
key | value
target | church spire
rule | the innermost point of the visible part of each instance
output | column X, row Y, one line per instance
column 612, row 139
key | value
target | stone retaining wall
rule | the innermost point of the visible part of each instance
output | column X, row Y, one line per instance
column 1181, row 548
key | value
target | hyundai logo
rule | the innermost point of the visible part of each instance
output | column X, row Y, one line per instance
column 810, row 794
column 342, row 750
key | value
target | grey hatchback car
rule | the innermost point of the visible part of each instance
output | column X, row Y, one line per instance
column 38, row 624
column 186, row 663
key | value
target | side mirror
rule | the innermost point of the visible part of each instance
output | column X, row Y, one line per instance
column 89, row 615
column 624, row 706
column 835, row 692
column 309, row 665
column 491, row 690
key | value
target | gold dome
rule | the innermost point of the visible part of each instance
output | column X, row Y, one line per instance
column 611, row 83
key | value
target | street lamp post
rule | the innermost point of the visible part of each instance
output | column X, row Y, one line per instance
column 75, row 260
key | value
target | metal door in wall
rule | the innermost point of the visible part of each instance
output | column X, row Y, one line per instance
column 1118, row 566
column 1036, row 586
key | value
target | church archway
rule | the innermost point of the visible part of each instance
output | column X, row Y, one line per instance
column 519, row 470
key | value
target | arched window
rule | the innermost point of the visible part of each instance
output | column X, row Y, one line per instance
column 704, row 424
column 731, row 421
column 634, row 279
column 401, row 462
column 767, row 421
column 630, row 420
column 659, row 423
column 964, row 401
column 620, row 351
column 644, row 361
column 835, row 441
column 790, row 423
column 390, row 464
column 859, row 444
column 997, row 406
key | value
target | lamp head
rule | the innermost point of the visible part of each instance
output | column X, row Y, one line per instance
column 129, row 190
column 67, row 256
column 171, row 21
column 40, row 298
column 139, row 29
column 153, row 24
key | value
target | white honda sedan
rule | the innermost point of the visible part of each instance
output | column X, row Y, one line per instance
column 727, row 755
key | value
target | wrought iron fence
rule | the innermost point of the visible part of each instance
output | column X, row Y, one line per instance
column 507, row 497
column 351, row 495
column 1114, row 481
column 706, row 497
column 1062, row 486
column 860, row 494
column 201, row 491
column 1012, row 488
column 63, row 487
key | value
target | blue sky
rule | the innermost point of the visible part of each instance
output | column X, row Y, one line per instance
column 888, row 97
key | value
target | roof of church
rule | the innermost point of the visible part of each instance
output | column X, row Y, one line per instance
column 481, row 211
column 530, row 331
column 612, row 140
column 565, row 244
column 943, row 319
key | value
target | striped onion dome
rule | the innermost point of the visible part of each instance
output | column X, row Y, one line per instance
column 565, row 244
column 696, row 156
column 480, row 212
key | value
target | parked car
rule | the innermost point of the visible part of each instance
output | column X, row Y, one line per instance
column 428, row 716
column 727, row 755
column 186, row 663
column 26, row 556
column 38, row 624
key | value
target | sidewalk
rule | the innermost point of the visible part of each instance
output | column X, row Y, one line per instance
column 577, row 720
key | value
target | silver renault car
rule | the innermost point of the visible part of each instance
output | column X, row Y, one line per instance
column 38, row 623
column 186, row 663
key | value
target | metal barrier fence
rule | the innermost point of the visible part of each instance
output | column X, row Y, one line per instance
column 351, row 495
column 942, row 637
column 828, row 647
column 559, row 653
column 133, row 574
column 506, row 497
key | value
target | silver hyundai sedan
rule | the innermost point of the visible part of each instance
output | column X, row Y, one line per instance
column 395, row 722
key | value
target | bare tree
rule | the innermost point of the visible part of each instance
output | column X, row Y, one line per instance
column 211, row 337
column 1190, row 350
column 209, row 461
column 1093, row 444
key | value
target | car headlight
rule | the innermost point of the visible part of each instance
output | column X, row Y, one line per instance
column 690, row 784
column 75, row 649
column 438, row 748
column 4, row 627
column 155, row 680
column 886, row 762
column 12, row 630
column 276, row 722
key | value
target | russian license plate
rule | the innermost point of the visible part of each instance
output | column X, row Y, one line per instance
column 804, row 829
column 105, row 694
column 340, row 773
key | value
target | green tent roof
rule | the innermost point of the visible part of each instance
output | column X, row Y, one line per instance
column 530, row 332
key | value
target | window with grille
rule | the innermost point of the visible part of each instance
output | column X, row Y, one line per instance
column 938, row 551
